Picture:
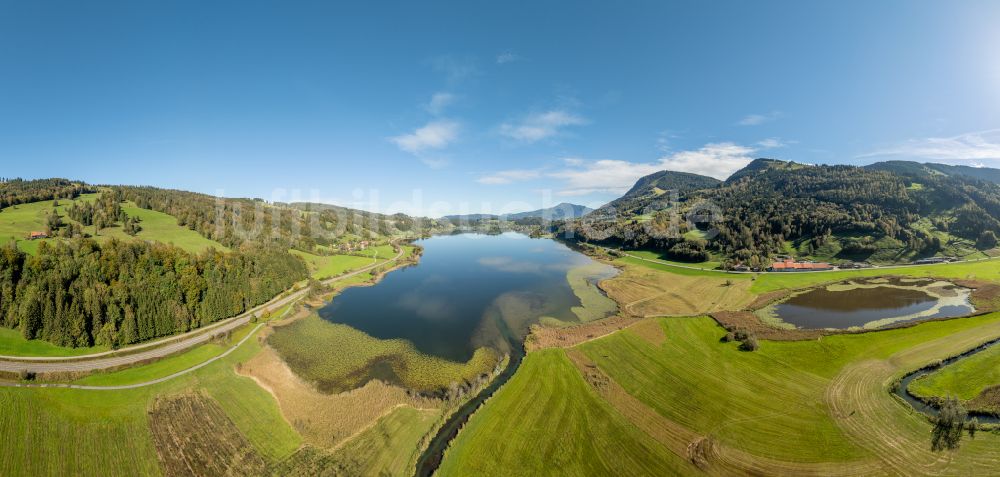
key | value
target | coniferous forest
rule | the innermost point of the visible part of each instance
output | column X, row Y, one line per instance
column 81, row 293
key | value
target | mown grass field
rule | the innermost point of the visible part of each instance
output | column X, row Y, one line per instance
column 547, row 421
column 659, row 290
column 964, row 379
column 107, row 432
column 818, row 407
column 326, row 266
column 717, row 389
column 339, row 358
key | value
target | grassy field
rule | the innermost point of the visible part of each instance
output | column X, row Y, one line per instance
column 547, row 421
column 964, row 379
column 650, row 289
column 107, row 432
column 818, row 407
column 988, row 270
column 653, row 255
column 717, row 389
column 18, row 221
column 12, row 343
column 338, row 358
column 160, row 227
column 388, row 448
column 326, row 266
column 154, row 370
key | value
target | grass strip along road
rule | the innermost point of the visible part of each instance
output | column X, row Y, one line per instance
column 98, row 361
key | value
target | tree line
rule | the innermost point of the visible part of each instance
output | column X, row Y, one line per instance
column 772, row 202
column 82, row 293
column 19, row 191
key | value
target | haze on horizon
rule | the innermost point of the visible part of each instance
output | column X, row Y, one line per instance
column 453, row 107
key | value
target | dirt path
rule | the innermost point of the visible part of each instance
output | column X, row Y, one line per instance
column 173, row 345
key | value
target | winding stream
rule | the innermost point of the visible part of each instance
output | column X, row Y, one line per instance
column 930, row 409
column 471, row 291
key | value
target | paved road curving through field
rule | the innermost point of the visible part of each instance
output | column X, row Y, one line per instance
column 173, row 345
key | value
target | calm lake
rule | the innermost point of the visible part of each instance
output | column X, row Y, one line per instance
column 468, row 291
column 873, row 303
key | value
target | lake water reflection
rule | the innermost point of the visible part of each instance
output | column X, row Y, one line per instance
column 468, row 291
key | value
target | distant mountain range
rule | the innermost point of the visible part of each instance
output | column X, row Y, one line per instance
column 886, row 212
column 563, row 211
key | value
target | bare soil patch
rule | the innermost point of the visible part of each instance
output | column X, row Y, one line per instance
column 194, row 436
column 542, row 337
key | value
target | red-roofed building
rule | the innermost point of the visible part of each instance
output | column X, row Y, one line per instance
column 789, row 265
column 37, row 235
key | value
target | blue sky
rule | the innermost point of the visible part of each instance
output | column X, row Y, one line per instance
column 434, row 108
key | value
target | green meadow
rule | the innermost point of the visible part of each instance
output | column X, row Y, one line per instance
column 101, row 432
column 546, row 420
column 16, row 222
column 964, row 379
column 772, row 406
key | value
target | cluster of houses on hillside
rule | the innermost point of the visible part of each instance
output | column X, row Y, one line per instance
column 354, row 246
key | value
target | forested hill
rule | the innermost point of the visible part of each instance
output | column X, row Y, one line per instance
column 825, row 212
column 917, row 170
column 655, row 191
column 20, row 191
column 89, row 283
column 232, row 222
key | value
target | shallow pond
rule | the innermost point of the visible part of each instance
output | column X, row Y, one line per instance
column 469, row 291
column 871, row 303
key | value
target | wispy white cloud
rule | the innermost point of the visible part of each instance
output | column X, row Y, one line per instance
column 973, row 148
column 536, row 127
column 508, row 176
column 758, row 119
column 606, row 175
column 433, row 135
column 771, row 143
column 507, row 57
column 717, row 160
column 439, row 101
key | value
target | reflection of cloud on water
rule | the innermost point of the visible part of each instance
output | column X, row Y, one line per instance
column 508, row 264
column 425, row 306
